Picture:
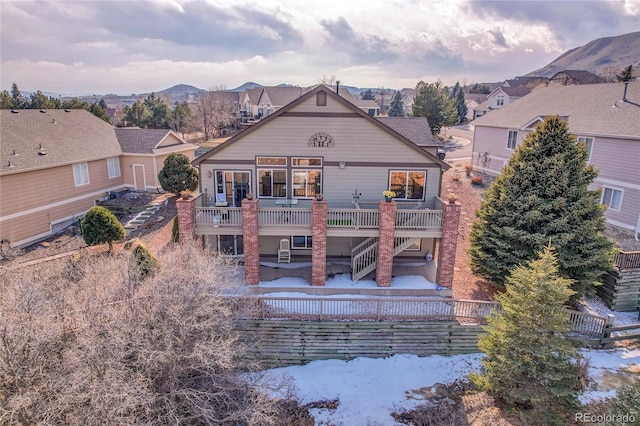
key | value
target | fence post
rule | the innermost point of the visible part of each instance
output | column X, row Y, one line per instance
column 605, row 332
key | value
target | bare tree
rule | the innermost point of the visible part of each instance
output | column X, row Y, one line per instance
column 90, row 342
column 214, row 110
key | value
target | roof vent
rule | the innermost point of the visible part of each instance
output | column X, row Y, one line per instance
column 67, row 110
column 14, row 153
column 42, row 152
column 44, row 111
column 9, row 164
column 13, row 111
column 53, row 121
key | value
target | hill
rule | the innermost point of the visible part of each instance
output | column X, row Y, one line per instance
column 180, row 90
column 605, row 57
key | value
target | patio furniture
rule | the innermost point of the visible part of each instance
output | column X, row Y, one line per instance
column 284, row 252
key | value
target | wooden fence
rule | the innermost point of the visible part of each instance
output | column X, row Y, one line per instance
column 627, row 260
column 280, row 343
column 620, row 288
column 294, row 330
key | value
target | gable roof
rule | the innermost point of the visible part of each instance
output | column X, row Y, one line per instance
column 592, row 109
column 577, row 77
column 279, row 96
column 512, row 92
column 145, row 141
column 330, row 93
column 416, row 129
column 65, row 137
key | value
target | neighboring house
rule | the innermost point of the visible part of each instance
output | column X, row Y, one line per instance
column 249, row 101
column 606, row 117
column 526, row 82
column 144, row 152
column 481, row 110
column 503, row 96
column 56, row 164
column 323, row 145
column 273, row 98
column 408, row 96
column 473, row 102
column 575, row 77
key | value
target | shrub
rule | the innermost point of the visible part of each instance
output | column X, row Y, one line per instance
column 144, row 265
column 99, row 226
column 476, row 180
column 468, row 168
column 456, row 177
column 178, row 175
column 97, row 350
column 175, row 230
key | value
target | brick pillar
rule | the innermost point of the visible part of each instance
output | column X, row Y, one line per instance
column 385, row 243
column 319, row 251
column 186, row 224
column 250, row 241
column 447, row 249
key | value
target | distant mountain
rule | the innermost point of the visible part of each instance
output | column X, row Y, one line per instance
column 180, row 90
column 605, row 57
column 245, row 86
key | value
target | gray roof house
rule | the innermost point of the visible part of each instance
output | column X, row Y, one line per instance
column 606, row 117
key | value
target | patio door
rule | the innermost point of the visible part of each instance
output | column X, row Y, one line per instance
column 232, row 186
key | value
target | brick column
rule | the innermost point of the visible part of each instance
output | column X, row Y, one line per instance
column 186, row 221
column 385, row 243
column 447, row 249
column 319, row 251
column 250, row 241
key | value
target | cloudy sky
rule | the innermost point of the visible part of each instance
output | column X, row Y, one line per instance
column 123, row 47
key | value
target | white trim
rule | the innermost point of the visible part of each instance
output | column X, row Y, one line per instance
column 617, row 183
column 59, row 203
column 620, row 224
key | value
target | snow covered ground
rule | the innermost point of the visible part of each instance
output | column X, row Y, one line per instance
column 370, row 389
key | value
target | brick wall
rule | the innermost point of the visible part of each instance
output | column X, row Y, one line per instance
column 385, row 243
column 319, row 232
column 447, row 250
column 250, row 241
column 186, row 223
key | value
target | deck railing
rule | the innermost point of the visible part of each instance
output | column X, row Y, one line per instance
column 353, row 218
column 419, row 219
column 627, row 260
column 379, row 309
column 284, row 217
column 218, row 216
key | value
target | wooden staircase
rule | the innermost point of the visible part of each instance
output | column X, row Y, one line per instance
column 364, row 256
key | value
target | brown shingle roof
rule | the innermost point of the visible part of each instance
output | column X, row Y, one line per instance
column 67, row 136
column 140, row 141
column 416, row 129
column 594, row 109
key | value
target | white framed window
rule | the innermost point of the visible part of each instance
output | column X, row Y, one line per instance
column 114, row 167
column 232, row 186
column 512, row 139
column 301, row 242
column 307, row 183
column 588, row 146
column 612, row 198
column 81, row 174
column 500, row 100
column 272, row 183
column 408, row 185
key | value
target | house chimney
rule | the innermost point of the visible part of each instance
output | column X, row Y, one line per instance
column 337, row 87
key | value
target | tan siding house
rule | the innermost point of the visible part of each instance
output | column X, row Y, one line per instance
column 321, row 145
column 54, row 165
column 57, row 164
column 604, row 116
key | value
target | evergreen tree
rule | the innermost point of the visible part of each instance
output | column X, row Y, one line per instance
column 180, row 117
column 543, row 195
column 368, row 95
column 531, row 362
column 159, row 112
column 175, row 230
column 137, row 114
column 433, row 101
column 5, row 100
column 99, row 226
column 479, row 88
column 144, row 265
column 103, row 104
column 178, row 174
column 99, row 112
column 458, row 95
column 396, row 107
column 38, row 100
column 626, row 74
column 18, row 101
